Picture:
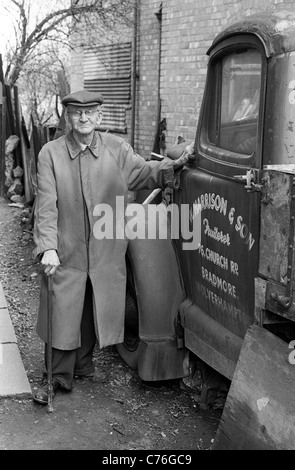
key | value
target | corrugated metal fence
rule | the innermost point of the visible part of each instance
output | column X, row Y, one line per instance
column 107, row 70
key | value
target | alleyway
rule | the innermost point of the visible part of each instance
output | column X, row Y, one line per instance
column 122, row 414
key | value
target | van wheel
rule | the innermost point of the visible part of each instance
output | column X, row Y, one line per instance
column 128, row 350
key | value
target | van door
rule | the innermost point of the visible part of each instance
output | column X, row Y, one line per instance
column 223, row 195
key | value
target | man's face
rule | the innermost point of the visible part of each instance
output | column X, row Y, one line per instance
column 84, row 119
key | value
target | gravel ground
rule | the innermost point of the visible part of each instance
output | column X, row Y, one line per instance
column 123, row 414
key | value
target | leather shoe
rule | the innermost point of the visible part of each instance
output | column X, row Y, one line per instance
column 41, row 395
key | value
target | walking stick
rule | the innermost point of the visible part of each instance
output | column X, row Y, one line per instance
column 49, row 343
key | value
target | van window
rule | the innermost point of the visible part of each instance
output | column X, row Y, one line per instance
column 237, row 98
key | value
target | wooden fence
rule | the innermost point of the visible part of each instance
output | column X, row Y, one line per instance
column 26, row 153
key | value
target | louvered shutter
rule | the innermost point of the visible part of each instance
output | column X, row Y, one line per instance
column 107, row 70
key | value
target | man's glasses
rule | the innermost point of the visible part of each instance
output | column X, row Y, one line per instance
column 89, row 113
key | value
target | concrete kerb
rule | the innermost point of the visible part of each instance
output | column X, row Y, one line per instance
column 13, row 378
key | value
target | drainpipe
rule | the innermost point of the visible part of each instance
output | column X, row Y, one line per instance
column 134, row 71
column 156, row 147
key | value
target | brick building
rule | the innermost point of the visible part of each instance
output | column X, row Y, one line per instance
column 171, row 64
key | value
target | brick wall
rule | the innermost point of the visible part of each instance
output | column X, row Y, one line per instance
column 147, row 84
column 188, row 28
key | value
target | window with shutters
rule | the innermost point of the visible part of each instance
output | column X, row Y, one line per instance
column 107, row 70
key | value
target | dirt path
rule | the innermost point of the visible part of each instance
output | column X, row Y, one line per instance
column 123, row 414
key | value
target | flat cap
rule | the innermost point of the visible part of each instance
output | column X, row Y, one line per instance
column 83, row 98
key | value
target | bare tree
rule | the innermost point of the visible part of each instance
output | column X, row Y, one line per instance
column 38, row 52
column 56, row 21
column 41, row 85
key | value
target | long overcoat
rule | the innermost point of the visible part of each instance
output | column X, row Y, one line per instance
column 72, row 183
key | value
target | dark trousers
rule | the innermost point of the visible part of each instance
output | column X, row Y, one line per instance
column 66, row 364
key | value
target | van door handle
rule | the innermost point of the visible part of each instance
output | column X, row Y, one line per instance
column 249, row 179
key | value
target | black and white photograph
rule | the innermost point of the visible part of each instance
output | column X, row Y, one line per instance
column 147, row 228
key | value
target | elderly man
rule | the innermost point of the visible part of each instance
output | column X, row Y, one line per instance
column 76, row 173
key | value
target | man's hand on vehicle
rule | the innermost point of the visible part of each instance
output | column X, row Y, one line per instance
column 50, row 261
column 186, row 156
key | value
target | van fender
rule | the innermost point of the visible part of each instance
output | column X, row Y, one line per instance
column 153, row 341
